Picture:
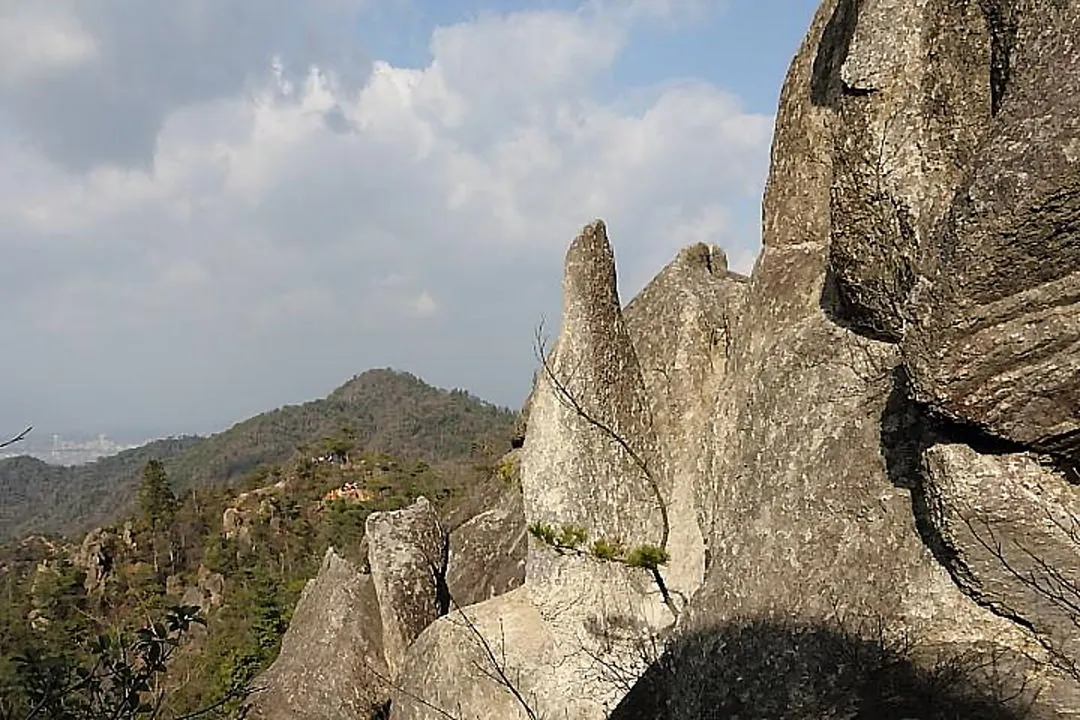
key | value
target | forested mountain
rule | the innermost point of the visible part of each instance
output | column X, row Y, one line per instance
column 382, row 411
column 238, row 558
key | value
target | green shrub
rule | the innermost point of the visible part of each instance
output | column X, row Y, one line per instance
column 507, row 471
column 567, row 537
column 607, row 549
column 572, row 536
column 649, row 557
column 544, row 533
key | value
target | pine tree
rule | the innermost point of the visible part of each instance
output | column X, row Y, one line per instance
column 156, row 498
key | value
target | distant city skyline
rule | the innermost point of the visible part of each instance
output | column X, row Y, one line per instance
column 56, row 449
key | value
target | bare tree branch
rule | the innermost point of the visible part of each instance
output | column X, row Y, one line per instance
column 499, row 667
column 18, row 438
column 573, row 403
column 1043, row 578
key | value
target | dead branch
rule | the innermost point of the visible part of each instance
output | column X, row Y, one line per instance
column 499, row 668
column 1043, row 579
column 571, row 402
column 18, row 438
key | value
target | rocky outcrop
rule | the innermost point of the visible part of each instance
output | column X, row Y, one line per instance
column 996, row 335
column 331, row 664
column 238, row 518
column 594, row 374
column 933, row 132
column 406, row 554
column 486, row 556
column 871, row 439
column 566, row 640
column 96, row 557
column 862, row 318
column 344, row 650
column 99, row 553
column 208, row 590
column 681, row 327
column 1008, row 529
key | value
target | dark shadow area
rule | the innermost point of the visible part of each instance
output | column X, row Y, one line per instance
column 789, row 671
column 826, row 85
column 908, row 429
column 1066, row 447
column 842, row 307
column 1001, row 21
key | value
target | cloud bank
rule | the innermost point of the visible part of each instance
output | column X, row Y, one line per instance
column 211, row 208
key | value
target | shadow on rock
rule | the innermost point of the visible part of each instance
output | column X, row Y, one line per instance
column 769, row 669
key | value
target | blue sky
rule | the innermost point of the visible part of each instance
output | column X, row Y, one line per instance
column 210, row 209
column 743, row 46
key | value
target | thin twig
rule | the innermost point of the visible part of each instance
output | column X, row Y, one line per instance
column 18, row 438
column 568, row 400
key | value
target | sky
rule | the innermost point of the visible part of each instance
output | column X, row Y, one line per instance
column 212, row 208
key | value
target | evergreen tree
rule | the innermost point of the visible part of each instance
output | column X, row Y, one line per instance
column 156, row 498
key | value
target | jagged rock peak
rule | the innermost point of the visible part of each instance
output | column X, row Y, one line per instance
column 593, row 372
column 708, row 257
column 590, row 268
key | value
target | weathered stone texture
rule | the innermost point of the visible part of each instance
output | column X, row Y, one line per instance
column 955, row 200
column 910, row 107
column 566, row 460
column 1009, row 532
column 997, row 336
column 331, row 662
column 451, row 673
column 576, row 615
column 801, row 514
column 405, row 552
column 681, row 328
column 487, row 552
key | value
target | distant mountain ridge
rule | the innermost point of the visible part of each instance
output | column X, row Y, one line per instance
column 389, row 411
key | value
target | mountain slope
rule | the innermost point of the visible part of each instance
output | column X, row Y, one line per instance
column 389, row 411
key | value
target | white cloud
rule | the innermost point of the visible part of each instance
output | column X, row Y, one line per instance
column 424, row 305
column 37, row 43
column 310, row 225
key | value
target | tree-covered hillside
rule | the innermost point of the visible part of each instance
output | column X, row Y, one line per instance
column 241, row 555
column 386, row 412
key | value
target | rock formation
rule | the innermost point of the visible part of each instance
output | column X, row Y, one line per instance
column 343, row 652
column 487, row 552
column 872, row 438
column 331, row 665
column 592, row 459
column 405, row 553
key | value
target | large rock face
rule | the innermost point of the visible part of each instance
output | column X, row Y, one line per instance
column 406, row 554
column 1008, row 528
column 873, row 327
column 331, row 664
column 996, row 340
column 487, row 552
column 955, row 201
column 681, row 327
column 566, row 457
column 572, row 635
